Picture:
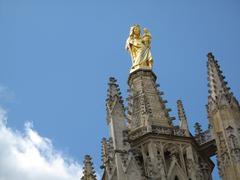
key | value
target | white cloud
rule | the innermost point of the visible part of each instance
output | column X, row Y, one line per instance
column 29, row 156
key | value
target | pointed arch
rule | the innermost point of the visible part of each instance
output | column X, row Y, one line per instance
column 132, row 170
column 175, row 171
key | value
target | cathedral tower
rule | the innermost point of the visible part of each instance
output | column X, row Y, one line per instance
column 144, row 143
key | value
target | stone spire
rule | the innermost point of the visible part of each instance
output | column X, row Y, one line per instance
column 116, row 120
column 219, row 92
column 115, row 113
column 145, row 104
column 224, row 115
column 88, row 170
column 114, row 98
column 182, row 117
column 198, row 128
column 105, row 154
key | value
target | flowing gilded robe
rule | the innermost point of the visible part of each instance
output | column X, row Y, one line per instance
column 140, row 53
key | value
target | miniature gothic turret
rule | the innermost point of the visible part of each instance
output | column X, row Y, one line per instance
column 114, row 148
column 198, row 128
column 88, row 170
column 115, row 113
column 219, row 92
column 182, row 117
column 224, row 117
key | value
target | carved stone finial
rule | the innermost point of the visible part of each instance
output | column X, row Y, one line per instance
column 181, row 111
column 113, row 91
column 88, row 170
column 198, row 128
column 182, row 117
column 210, row 56
column 114, row 98
column 104, row 151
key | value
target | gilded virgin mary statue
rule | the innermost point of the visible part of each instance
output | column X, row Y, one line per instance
column 139, row 48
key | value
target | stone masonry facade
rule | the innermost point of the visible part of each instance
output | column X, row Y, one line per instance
column 144, row 144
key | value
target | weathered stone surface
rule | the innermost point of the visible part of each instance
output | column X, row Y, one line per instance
column 145, row 145
column 224, row 118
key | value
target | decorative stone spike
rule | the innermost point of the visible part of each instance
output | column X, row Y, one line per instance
column 104, row 152
column 182, row 117
column 88, row 169
column 113, row 89
column 172, row 118
column 219, row 92
column 198, row 128
column 165, row 101
column 113, row 97
column 161, row 93
column 210, row 56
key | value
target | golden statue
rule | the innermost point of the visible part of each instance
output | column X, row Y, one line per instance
column 139, row 48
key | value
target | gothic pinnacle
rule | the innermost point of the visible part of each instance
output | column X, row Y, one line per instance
column 105, row 154
column 219, row 92
column 182, row 117
column 114, row 96
column 198, row 128
column 113, row 91
column 88, row 170
column 181, row 111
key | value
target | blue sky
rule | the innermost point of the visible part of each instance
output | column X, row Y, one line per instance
column 57, row 55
